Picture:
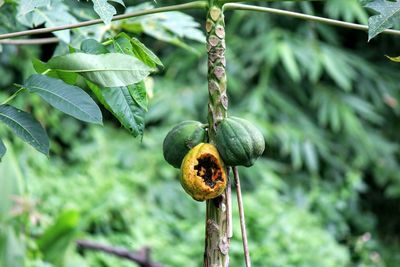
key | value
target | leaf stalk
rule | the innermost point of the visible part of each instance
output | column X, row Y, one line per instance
column 13, row 95
column 333, row 22
column 186, row 6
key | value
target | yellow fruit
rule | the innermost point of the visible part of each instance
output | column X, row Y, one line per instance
column 203, row 174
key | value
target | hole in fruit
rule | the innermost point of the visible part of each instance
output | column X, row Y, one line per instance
column 209, row 170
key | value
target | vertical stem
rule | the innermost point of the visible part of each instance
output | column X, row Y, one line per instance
column 218, row 214
column 241, row 215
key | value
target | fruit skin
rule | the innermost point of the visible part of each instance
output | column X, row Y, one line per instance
column 181, row 139
column 203, row 173
column 239, row 142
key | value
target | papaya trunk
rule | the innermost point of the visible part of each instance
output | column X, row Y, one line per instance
column 218, row 213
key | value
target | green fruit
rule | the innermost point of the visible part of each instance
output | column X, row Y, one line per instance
column 239, row 142
column 181, row 139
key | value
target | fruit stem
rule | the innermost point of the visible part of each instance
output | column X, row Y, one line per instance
column 218, row 213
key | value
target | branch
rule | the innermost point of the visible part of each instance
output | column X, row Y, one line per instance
column 142, row 257
column 241, row 217
column 233, row 6
column 233, row 1
column 30, row 41
column 191, row 5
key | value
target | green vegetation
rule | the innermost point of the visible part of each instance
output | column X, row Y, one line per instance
column 325, row 193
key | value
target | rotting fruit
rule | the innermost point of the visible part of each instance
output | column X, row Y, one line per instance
column 181, row 139
column 203, row 174
column 239, row 142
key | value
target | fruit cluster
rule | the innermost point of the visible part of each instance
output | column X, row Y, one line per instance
column 203, row 173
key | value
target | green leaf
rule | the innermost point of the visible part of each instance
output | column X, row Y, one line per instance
column 310, row 155
column 394, row 59
column 139, row 94
column 289, row 62
column 91, row 46
column 40, row 67
column 3, row 149
column 132, row 46
column 105, row 10
column 69, row 99
column 25, row 127
column 119, row 101
column 108, row 70
column 56, row 240
column 389, row 11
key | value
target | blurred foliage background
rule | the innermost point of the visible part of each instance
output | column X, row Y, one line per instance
column 326, row 192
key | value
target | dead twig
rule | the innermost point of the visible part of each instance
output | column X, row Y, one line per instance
column 141, row 257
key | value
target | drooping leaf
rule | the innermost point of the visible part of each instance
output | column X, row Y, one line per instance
column 132, row 46
column 25, row 127
column 107, row 70
column 105, row 10
column 91, row 46
column 69, row 99
column 119, row 101
column 3, row 149
column 388, row 12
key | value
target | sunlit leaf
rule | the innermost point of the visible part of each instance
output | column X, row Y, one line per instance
column 26, row 6
column 105, row 10
column 41, row 67
column 108, row 70
column 54, row 14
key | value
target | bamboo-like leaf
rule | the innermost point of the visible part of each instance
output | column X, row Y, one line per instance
column 3, row 149
column 107, row 70
column 69, row 99
column 25, row 127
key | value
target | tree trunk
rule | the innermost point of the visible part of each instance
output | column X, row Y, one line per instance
column 218, row 214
